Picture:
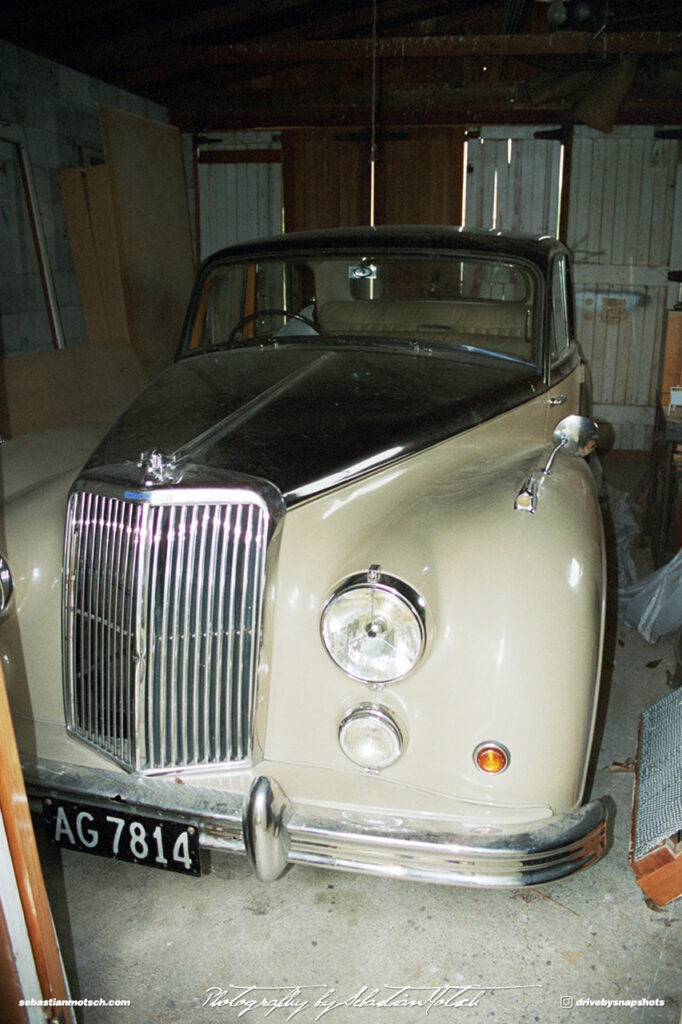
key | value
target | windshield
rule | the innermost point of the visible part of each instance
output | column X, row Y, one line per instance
column 457, row 301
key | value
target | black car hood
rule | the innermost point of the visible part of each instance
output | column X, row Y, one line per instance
column 306, row 418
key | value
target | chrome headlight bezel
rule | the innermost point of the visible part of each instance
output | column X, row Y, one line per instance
column 389, row 588
column 378, row 714
column 6, row 588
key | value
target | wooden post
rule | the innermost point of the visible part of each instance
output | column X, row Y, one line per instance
column 24, row 853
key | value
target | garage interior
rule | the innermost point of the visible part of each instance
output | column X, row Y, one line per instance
column 138, row 137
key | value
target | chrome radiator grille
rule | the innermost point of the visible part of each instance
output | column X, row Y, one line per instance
column 161, row 621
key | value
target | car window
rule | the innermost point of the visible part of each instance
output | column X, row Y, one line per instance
column 484, row 304
column 560, row 336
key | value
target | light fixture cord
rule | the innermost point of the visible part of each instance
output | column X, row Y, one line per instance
column 373, row 130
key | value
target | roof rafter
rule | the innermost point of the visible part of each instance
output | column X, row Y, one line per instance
column 188, row 58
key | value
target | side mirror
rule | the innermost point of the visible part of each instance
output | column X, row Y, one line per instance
column 574, row 435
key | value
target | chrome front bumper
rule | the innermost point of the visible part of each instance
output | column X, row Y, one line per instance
column 274, row 833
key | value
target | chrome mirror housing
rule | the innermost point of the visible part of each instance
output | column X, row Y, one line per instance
column 574, row 435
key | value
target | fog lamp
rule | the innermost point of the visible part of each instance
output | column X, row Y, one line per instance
column 6, row 587
column 371, row 737
column 491, row 758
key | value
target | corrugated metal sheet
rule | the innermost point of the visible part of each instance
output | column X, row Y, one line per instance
column 620, row 228
column 239, row 201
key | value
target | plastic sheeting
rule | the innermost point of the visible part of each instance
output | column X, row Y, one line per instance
column 625, row 517
column 653, row 604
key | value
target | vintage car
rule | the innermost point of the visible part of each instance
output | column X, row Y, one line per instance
column 332, row 589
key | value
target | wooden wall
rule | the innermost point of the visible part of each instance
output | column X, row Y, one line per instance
column 239, row 189
column 513, row 180
column 419, row 178
column 620, row 227
column 327, row 178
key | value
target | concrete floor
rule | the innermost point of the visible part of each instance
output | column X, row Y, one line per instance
column 169, row 943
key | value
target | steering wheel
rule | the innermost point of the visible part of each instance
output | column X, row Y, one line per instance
column 271, row 312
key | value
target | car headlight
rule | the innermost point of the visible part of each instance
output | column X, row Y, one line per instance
column 374, row 627
column 371, row 737
column 6, row 587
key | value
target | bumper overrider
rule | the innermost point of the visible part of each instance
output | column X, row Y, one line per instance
column 274, row 833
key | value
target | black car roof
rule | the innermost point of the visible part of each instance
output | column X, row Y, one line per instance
column 536, row 248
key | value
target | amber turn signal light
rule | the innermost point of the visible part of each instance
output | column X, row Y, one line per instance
column 491, row 758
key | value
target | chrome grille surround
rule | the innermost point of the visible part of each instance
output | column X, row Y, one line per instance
column 162, row 609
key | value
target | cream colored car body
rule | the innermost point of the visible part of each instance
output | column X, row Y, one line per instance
column 514, row 606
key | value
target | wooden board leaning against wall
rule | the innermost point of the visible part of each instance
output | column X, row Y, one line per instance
column 129, row 232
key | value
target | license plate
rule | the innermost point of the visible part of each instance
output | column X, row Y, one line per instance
column 120, row 835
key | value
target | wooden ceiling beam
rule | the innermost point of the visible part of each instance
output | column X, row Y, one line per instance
column 397, row 18
column 239, row 14
column 174, row 30
column 192, row 58
column 358, row 20
column 449, row 46
column 272, row 109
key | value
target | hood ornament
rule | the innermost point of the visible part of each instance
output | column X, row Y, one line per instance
column 157, row 468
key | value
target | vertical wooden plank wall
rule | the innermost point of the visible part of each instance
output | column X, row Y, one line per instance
column 326, row 179
column 419, row 178
column 239, row 200
column 513, row 180
column 620, row 225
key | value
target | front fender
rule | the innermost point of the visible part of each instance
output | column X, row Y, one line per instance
column 515, row 606
column 36, row 472
column 30, row 637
